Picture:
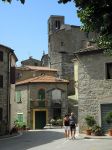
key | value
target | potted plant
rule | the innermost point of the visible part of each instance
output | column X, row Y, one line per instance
column 108, row 119
column 59, row 122
column 90, row 121
column 97, row 130
column 53, row 122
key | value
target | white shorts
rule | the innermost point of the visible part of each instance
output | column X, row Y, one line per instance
column 67, row 128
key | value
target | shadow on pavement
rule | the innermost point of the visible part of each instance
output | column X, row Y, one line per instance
column 31, row 139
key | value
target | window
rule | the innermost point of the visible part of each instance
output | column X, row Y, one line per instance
column 57, row 24
column 1, row 81
column 109, row 71
column 62, row 43
column 20, row 117
column 41, row 94
column 18, row 97
column 1, row 56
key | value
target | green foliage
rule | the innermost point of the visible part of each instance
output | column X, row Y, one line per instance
column 90, row 121
column 9, row 1
column 59, row 122
column 20, row 125
column 97, row 130
column 96, row 16
column 53, row 121
column 108, row 117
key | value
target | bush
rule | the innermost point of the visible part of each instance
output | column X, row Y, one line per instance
column 20, row 125
column 90, row 121
column 97, row 130
column 108, row 118
column 53, row 121
column 59, row 122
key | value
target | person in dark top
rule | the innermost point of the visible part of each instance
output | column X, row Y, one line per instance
column 66, row 125
column 72, row 121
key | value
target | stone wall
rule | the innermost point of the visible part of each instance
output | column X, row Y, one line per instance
column 93, row 87
column 62, row 43
column 4, row 92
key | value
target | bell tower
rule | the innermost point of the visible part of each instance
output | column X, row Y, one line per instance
column 55, row 23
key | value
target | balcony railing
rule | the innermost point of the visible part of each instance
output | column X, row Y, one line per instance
column 38, row 103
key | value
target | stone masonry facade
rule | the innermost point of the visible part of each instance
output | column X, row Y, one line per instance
column 93, row 87
column 63, row 41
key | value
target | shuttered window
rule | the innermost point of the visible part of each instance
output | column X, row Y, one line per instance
column 18, row 97
column 41, row 94
column 20, row 117
column 57, row 24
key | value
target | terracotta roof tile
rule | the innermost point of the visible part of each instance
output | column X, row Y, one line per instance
column 42, row 79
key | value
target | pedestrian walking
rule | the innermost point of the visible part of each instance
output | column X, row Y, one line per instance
column 72, row 121
column 66, row 124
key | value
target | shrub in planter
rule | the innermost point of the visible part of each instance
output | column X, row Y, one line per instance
column 59, row 122
column 97, row 130
column 20, row 125
column 90, row 121
column 53, row 121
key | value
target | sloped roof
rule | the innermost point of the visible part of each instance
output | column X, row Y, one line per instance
column 36, row 68
column 88, row 50
column 9, row 49
column 42, row 79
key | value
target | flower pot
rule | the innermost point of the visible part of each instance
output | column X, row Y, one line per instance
column 88, row 131
column 110, row 132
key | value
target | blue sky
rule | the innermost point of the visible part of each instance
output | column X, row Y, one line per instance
column 24, row 27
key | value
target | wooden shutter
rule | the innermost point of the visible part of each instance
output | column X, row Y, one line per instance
column 18, row 96
column 20, row 117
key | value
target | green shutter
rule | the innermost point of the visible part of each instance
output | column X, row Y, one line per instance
column 18, row 96
column 41, row 94
column 20, row 117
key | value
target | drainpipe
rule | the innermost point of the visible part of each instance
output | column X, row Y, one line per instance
column 28, row 106
column 8, row 92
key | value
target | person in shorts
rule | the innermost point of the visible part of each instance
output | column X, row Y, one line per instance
column 66, row 124
column 72, row 121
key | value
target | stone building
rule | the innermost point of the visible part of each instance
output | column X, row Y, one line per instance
column 45, row 60
column 39, row 99
column 93, row 85
column 7, row 86
column 31, row 62
column 40, row 96
column 63, row 41
column 25, row 72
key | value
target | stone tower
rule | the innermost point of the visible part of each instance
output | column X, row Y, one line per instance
column 63, row 41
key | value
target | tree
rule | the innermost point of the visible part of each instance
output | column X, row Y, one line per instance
column 9, row 1
column 96, row 16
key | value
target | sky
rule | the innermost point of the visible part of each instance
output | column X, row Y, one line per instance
column 24, row 28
